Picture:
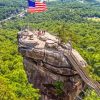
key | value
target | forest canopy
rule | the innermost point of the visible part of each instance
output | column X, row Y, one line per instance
column 66, row 20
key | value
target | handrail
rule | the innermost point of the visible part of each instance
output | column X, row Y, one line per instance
column 82, row 73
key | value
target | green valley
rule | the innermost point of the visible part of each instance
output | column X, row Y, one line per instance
column 64, row 19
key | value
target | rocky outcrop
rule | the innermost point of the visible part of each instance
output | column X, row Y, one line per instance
column 48, row 68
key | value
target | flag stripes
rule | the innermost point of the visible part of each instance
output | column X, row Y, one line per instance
column 37, row 7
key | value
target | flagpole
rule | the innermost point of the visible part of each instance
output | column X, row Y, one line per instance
column 28, row 22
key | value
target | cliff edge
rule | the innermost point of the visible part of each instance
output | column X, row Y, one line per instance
column 53, row 67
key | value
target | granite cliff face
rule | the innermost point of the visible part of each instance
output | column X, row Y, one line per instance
column 48, row 67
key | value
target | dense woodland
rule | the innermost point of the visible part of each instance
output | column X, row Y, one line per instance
column 10, row 7
column 68, row 20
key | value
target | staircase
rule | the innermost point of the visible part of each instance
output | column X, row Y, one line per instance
column 79, row 68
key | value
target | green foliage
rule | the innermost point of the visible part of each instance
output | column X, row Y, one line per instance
column 93, row 96
column 10, row 90
column 59, row 87
column 6, row 92
column 13, row 80
column 66, row 20
column 10, row 7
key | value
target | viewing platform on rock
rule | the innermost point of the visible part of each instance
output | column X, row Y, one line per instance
column 47, row 60
column 40, row 38
column 46, row 41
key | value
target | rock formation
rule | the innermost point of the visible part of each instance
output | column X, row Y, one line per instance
column 49, row 67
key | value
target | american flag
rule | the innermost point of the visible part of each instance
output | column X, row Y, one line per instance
column 36, row 6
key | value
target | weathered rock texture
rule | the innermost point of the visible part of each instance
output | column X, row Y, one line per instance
column 47, row 66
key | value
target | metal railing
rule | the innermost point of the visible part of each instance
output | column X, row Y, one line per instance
column 93, row 84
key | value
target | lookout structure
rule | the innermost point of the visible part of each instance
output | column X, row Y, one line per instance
column 53, row 67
